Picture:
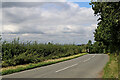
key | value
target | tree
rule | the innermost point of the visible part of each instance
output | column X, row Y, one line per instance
column 97, row 47
column 108, row 29
column 0, row 37
column 89, row 45
column 0, row 48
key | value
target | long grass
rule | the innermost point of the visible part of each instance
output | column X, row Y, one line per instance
column 111, row 68
column 119, row 66
column 13, row 69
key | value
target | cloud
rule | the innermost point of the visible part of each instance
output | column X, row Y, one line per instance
column 49, row 21
column 29, row 4
column 10, row 28
column 20, row 4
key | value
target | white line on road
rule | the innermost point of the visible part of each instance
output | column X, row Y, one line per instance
column 87, row 60
column 66, row 68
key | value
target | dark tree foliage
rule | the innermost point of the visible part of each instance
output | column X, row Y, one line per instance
column 0, row 37
column 108, row 29
column 96, row 47
column 89, row 45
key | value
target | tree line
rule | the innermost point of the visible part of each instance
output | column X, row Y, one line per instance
column 18, row 53
column 108, row 29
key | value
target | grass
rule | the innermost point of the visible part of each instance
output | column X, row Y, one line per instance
column 119, row 66
column 111, row 68
column 13, row 69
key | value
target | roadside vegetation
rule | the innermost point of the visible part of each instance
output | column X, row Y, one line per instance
column 108, row 33
column 18, row 56
column 33, row 54
column 119, row 66
column 18, row 53
column 13, row 69
column 111, row 68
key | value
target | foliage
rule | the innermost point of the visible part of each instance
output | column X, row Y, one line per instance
column 16, row 52
column 88, row 46
column 96, row 47
column 32, row 65
column 108, row 33
column 119, row 66
column 111, row 68
column 108, row 29
column 0, row 50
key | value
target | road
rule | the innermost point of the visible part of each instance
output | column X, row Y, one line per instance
column 87, row 66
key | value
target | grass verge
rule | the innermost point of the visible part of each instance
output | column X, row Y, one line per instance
column 119, row 66
column 13, row 69
column 111, row 68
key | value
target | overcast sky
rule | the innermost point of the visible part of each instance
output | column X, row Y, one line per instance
column 58, row 22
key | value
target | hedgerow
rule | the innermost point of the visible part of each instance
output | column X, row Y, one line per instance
column 17, row 53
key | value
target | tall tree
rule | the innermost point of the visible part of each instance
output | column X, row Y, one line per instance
column 0, row 37
column 89, row 44
column 108, row 29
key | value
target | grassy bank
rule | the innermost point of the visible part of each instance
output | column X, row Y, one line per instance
column 13, row 69
column 119, row 66
column 111, row 68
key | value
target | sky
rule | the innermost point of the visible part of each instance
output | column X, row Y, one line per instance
column 57, row 22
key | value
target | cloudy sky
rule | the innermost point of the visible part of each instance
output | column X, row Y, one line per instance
column 58, row 22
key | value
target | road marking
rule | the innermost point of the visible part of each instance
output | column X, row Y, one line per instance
column 87, row 60
column 66, row 68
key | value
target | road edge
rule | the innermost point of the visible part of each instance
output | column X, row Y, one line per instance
column 33, row 65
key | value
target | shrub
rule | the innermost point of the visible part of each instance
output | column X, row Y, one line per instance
column 16, row 52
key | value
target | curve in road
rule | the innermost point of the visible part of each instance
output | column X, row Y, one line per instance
column 87, row 66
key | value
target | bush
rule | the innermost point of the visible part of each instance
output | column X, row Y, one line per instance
column 16, row 52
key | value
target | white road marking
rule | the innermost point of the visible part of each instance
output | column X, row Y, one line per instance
column 87, row 60
column 66, row 68
column 74, row 64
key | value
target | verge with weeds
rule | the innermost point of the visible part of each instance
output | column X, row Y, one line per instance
column 111, row 68
column 13, row 69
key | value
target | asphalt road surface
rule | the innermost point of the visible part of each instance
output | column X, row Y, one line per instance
column 87, row 66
